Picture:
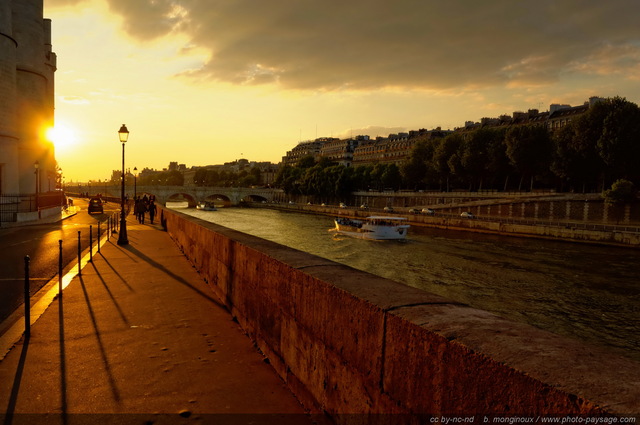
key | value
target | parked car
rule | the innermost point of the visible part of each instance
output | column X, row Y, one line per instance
column 388, row 209
column 95, row 206
column 467, row 214
column 364, row 207
column 343, row 205
column 428, row 211
column 414, row 211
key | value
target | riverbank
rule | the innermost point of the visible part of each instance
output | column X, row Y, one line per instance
column 345, row 340
column 572, row 231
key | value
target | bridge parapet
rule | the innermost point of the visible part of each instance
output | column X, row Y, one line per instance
column 193, row 194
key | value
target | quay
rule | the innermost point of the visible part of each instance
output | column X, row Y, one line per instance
column 139, row 337
column 193, row 319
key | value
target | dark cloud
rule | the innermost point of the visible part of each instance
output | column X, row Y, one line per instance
column 364, row 44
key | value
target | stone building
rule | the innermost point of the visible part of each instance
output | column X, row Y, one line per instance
column 341, row 151
column 306, row 148
column 395, row 148
column 27, row 67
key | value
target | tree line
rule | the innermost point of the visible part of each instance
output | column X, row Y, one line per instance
column 227, row 178
column 588, row 154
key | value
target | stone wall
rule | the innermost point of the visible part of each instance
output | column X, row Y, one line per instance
column 346, row 341
column 508, row 219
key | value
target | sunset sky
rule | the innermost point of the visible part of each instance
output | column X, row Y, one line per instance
column 210, row 81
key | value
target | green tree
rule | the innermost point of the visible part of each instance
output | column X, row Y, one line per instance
column 199, row 178
column 306, row 162
column 577, row 160
column 344, row 182
column 212, row 178
column 391, row 177
column 619, row 141
column 361, row 177
column 621, row 191
column 529, row 149
column 498, row 166
column 415, row 170
column 444, row 151
column 288, row 179
column 474, row 155
column 376, row 176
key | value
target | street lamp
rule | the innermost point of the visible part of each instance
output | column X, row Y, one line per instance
column 123, row 133
column 36, row 165
column 135, row 183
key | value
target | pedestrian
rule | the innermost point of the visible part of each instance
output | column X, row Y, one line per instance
column 136, row 208
column 152, row 210
column 143, row 209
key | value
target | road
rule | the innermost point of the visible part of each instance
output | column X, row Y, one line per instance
column 40, row 243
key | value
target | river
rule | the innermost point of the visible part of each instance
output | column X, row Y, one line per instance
column 587, row 292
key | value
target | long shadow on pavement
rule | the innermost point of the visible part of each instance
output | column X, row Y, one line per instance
column 63, row 362
column 103, row 353
column 117, row 273
column 173, row 275
column 106, row 287
column 15, row 390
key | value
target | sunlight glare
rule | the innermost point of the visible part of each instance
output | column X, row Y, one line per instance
column 62, row 136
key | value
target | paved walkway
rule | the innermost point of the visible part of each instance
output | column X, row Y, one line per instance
column 140, row 332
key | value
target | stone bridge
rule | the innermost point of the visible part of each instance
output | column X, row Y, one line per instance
column 220, row 195
column 226, row 196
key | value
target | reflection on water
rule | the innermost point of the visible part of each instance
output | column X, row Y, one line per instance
column 582, row 291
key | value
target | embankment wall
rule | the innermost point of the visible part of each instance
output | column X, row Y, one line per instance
column 346, row 341
column 567, row 231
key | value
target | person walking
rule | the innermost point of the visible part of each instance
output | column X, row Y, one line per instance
column 152, row 210
column 136, row 208
column 143, row 210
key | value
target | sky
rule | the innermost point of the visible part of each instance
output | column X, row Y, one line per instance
column 205, row 82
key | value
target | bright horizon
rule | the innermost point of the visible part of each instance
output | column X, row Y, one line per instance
column 207, row 84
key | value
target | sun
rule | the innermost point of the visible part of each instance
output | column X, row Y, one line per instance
column 62, row 136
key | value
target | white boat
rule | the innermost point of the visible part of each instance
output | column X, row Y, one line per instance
column 374, row 227
column 177, row 204
column 206, row 206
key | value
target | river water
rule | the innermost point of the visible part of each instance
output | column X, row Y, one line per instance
column 587, row 292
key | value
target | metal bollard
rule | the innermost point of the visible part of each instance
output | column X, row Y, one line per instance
column 27, row 299
column 60, row 268
column 79, row 253
column 90, row 244
column 98, row 237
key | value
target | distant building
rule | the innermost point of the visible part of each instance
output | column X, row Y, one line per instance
column 395, row 148
column 557, row 117
column 341, row 151
column 27, row 67
column 561, row 115
column 268, row 170
column 306, row 148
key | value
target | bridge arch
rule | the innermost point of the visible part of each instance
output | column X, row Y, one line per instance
column 219, row 200
column 254, row 198
column 182, row 196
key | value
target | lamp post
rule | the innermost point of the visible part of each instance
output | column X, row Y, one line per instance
column 123, row 133
column 135, row 183
column 36, row 165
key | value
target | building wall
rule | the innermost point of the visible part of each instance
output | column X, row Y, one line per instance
column 27, row 66
column 8, row 136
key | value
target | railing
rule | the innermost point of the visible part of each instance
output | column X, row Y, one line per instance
column 11, row 205
column 591, row 226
